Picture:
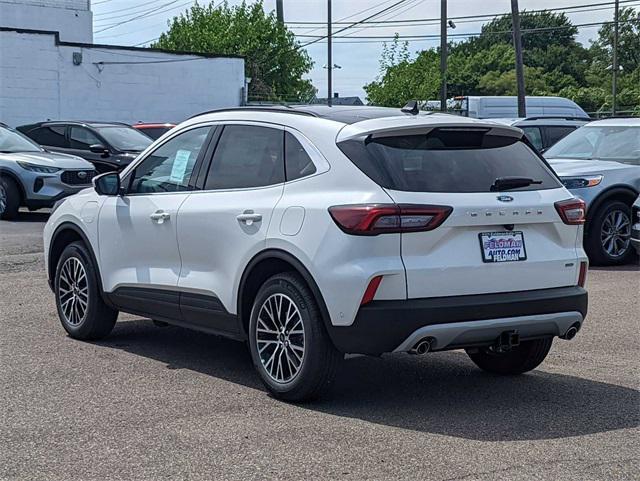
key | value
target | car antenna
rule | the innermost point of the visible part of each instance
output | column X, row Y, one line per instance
column 411, row 108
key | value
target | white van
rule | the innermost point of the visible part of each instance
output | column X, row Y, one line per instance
column 503, row 107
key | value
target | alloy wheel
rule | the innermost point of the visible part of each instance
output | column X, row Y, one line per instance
column 280, row 338
column 615, row 233
column 73, row 291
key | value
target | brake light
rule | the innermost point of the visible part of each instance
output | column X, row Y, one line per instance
column 582, row 277
column 374, row 219
column 572, row 211
column 371, row 290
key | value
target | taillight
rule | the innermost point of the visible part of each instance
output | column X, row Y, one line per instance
column 374, row 219
column 582, row 277
column 572, row 211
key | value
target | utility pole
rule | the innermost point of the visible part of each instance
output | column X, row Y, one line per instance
column 279, row 11
column 443, row 55
column 329, row 56
column 517, row 42
column 614, row 67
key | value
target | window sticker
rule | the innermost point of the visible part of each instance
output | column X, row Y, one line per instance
column 180, row 166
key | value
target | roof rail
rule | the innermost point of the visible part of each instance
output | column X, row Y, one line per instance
column 83, row 122
column 562, row 117
column 284, row 109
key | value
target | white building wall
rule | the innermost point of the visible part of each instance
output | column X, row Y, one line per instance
column 72, row 18
column 39, row 81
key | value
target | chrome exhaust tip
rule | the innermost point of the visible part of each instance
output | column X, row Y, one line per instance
column 421, row 347
column 571, row 333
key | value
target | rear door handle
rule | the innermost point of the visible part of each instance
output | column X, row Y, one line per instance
column 249, row 217
column 160, row 216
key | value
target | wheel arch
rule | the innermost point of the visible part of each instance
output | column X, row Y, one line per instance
column 264, row 265
column 65, row 234
column 4, row 172
column 621, row 193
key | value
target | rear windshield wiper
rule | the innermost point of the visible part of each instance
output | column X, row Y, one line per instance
column 507, row 183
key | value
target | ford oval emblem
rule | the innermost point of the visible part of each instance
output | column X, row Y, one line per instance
column 82, row 175
column 505, row 198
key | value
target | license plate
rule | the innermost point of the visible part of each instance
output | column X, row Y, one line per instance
column 502, row 246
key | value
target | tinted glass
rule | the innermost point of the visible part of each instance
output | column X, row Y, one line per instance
column 247, row 156
column 126, row 139
column 447, row 161
column 621, row 144
column 155, row 132
column 297, row 161
column 534, row 135
column 82, row 138
column 169, row 167
column 12, row 141
column 52, row 136
column 554, row 134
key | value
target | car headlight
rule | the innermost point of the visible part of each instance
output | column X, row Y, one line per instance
column 582, row 181
column 43, row 169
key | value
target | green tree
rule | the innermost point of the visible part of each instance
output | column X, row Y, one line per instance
column 401, row 80
column 274, row 60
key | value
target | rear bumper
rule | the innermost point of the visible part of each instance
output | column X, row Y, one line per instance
column 461, row 321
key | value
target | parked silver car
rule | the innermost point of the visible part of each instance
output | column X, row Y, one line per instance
column 35, row 178
column 600, row 163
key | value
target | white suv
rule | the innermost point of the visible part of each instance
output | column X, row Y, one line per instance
column 312, row 232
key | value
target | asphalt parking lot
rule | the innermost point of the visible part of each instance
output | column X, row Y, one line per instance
column 168, row 403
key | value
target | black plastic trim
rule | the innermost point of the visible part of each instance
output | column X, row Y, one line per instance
column 381, row 326
column 201, row 312
column 51, row 268
column 300, row 269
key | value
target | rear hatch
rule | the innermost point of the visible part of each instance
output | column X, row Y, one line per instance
column 501, row 235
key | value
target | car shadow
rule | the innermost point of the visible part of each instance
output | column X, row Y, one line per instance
column 442, row 393
column 28, row 216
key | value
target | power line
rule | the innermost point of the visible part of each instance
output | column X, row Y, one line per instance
column 479, row 19
column 127, row 9
column 151, row 13
column 356, row 23
column 437, row 19
column 381, row 39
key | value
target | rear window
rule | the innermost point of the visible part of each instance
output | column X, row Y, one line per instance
column 447, row 160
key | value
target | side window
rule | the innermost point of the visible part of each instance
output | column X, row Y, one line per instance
column 52, row 136
column 169, row 167
column 535, row 136
column 81, row 138
column 556, row 133
column 247, row 156
column 297, row 161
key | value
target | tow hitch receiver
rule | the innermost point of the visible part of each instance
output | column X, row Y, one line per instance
column 506, row 341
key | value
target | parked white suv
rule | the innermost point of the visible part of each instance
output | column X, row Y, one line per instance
column 312, row 232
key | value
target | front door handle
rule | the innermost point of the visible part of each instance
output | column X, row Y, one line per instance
column 249, row 217
column 160, row 216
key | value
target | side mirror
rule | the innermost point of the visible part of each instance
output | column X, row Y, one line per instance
column 107, row 184
column 98, row 149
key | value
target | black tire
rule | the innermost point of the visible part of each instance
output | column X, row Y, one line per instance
column 9, row 198
column 97, row 319
column 523, row 358
column 593, row 244
column 319, row 360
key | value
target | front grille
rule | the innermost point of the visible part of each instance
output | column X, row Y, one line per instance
column 77, row 177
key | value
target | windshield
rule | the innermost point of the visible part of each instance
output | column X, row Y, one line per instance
column 621, row 144
column 125, row 139
column 12, row 142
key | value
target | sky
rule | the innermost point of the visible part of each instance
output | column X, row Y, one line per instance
column 359, row 61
